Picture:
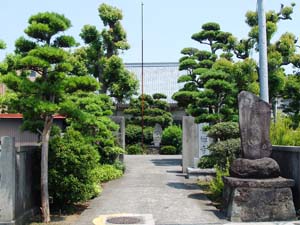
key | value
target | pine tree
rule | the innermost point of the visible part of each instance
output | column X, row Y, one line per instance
column 41, row 99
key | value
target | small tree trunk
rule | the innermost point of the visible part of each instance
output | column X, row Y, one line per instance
column 44, row 169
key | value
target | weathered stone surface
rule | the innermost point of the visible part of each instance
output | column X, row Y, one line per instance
column 245, row 204
column 157, row 134
column 255, row 168
column 190, row 142
column 254, row 120
column 7, row 180
column 279, row 182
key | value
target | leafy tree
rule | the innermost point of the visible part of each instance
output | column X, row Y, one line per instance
column 228, row 55
column 292, row 93
column 280, row 52
column 40, row 99
column 156, row 110
column 102, row 54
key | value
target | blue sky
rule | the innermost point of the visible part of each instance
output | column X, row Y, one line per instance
column 168, row 24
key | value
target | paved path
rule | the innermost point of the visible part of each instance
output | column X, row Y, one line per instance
column 153, row 184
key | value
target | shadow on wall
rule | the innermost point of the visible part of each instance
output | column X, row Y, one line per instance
column 166, row 162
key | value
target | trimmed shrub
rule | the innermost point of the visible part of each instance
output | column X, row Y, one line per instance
column 110, row 154
column 208, row 161
column 133, row 134
column 227, row 147
column 224, row 130
column 225, row 150
column 148, row 135
column 168, row 150
column 119, row 165
column 134, row 150
column 172, row 136
column 72, row 165
column 107, row 172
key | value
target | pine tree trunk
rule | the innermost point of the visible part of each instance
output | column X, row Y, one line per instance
column 44, row 169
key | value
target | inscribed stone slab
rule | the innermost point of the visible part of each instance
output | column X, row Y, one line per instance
column 254, row 120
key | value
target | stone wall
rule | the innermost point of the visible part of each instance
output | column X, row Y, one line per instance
column 288, row 158
column 19, row 182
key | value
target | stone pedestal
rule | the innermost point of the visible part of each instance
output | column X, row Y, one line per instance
column 259, row 199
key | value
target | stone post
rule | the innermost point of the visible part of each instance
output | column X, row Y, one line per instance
column 190, row 142
column 7, row 180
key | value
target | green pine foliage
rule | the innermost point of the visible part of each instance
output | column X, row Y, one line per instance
column 44, row 53
column 156, row 110
column 209, row 90
column 62, row 86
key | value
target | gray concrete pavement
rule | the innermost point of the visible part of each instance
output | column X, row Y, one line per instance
column 153, row 184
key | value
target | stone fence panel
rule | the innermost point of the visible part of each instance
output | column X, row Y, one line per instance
column 19, row 181
column 288, row 158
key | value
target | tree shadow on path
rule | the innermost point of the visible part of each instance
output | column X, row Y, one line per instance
column 166, row 162
column 200, row 196
column 184, row 186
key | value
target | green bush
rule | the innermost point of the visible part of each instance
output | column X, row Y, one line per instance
column 134, row 149
column 224, row 130
column 133, row 134
column 110, row 154
column 168, row 150
column 208, row 161
column 172, row 136
column 72, row 162
column 216, row 186
column 225, row 150
column 148, row 135
column 119, row 165
column 282, row 133
column 107, row 172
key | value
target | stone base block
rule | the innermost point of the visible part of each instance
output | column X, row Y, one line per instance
column 257, row 200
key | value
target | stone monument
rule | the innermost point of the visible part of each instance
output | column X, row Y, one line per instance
column 157, row 134
column 254, row 191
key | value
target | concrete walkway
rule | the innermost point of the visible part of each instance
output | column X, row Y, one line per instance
column 154, row 184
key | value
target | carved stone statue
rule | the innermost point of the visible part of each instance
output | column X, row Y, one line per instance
column 157, row 134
